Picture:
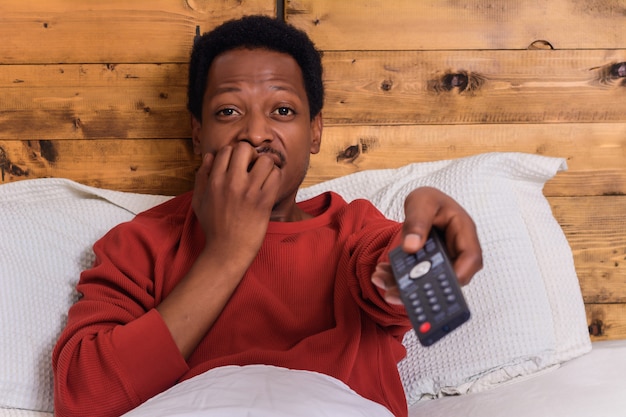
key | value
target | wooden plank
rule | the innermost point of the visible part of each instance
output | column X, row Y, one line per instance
column 72, row 76
column 407, row 87
column 437, row 87
column 93, row 112
column 612, row 318
column 595, row 152
column 597, row 168
column 143, row 166
column 93, row 101
column 115, row 31
column 596, row 230
column 472, row 24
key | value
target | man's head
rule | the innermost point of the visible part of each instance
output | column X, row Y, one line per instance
column 255, row 32
column 255, row 97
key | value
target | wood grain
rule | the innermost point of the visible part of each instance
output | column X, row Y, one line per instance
column 454, row 25
column 489, row 87
column 594, row 169
column 143, row 166
column 595, row 152
column 596, row 230
column 115, row 31
column 80, row 101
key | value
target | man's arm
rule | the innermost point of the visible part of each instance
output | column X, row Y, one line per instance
column 233, row 205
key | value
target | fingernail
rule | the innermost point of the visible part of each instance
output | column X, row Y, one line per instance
column 379, row 283
column 412, row 240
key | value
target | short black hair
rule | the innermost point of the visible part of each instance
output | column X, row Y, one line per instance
column 255, row 32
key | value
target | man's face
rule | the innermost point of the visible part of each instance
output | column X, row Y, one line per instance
column 258, row 96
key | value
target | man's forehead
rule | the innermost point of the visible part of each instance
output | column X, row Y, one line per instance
column 278, row 69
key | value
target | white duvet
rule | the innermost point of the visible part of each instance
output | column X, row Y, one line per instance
column 259, row 391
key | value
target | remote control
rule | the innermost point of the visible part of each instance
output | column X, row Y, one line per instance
column 429, row 289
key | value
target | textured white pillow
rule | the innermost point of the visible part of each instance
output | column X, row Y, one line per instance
column 259, row 391
column 527, row 308
column 47, row 229
column 526, row 303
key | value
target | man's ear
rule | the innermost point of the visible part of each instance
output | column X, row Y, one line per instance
column 196, row 128
column 317, row 125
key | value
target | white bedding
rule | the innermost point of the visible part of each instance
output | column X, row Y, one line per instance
column 593, row 385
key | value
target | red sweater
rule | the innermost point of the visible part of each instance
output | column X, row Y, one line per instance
column 306, row 302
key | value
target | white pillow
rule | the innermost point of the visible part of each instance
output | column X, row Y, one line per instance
column 259, row 391
column 527, row 308
column 47, row 229
column 526, row 303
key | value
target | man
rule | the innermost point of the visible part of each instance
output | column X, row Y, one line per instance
column 236, row 272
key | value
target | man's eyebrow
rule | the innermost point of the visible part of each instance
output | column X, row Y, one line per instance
column 233, row 89
column 284, row 88
column 226, row 89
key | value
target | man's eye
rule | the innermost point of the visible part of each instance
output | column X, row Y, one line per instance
column 284, row 111
column 226, row 112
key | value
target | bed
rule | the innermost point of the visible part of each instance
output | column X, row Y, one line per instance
column 526, row 348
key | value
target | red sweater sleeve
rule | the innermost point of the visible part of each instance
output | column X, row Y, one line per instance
column 364, row 250
column 115, row 351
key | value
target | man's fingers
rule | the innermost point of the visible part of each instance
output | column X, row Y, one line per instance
column 422, row 207
column 383, row 279
column 467, row 264
column 428, row 207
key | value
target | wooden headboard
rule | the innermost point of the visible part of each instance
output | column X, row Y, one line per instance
column 95, row 92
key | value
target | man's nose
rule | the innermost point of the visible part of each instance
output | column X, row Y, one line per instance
column 256, row 129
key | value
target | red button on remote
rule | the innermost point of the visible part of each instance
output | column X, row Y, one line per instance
column 425, row 327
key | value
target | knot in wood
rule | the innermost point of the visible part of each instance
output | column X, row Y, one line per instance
column 619, row 70
column 595, row 328
column 349, row 154
column 3, row 158
column 458, row 80
column 386, row 85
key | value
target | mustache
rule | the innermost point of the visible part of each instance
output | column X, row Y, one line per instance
column 267, row 149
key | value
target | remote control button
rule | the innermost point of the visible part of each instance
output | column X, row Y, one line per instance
column 451, row 298
column 420, row 270
column 424, row 327
column 421, row 318
column 430, row 293
column 436, row 308
column 428, row 286
column 437, row 259
column 432, row 300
